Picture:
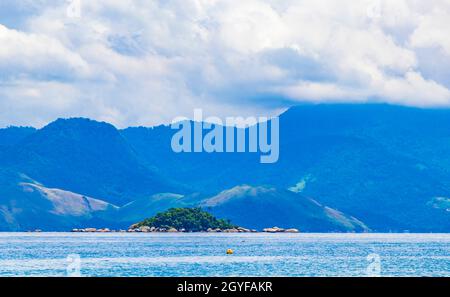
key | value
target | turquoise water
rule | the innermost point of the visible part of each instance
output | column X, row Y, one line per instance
column 123, row 254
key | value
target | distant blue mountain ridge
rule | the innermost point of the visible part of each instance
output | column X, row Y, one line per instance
column 342, row 168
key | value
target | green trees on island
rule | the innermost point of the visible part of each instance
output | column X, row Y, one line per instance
column 189, row 219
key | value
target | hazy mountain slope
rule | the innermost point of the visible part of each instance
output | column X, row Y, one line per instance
column 143, row 208
column 13, row 135
column 28, row 205
column 388, row 166
column 203, row 172
column 86, row 157
column 380, row 163
column 260, row 207
column 387, row 192
column 66, row 203
column 368, row 168
column 252, row 207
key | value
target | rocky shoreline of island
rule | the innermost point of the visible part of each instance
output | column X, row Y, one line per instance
column 151, row 229
column 186, row 220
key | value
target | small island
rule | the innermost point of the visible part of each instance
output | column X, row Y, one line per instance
column 187, row 220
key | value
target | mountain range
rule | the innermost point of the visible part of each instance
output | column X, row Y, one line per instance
column 341, row 168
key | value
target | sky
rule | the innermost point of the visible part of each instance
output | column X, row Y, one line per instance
column 146, row 62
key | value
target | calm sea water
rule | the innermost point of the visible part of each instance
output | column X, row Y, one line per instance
column 114, row 254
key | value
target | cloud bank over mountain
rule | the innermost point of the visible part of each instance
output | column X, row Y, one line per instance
column 146, row 62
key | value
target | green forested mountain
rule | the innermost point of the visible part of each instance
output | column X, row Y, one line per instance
column 383, row 167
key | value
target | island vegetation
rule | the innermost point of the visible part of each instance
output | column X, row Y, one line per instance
column 186, row 219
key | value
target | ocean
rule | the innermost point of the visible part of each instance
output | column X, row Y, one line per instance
column 204, row 254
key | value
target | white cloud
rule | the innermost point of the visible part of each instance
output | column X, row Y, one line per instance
column 24, row 102
column 322, row 92
column 414, row 90
column 23, row 54
column 146, row 62
column 430, row 33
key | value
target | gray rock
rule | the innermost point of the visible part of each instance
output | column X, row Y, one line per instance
column 231, row 230
column 144, row 229
column 273, row 230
